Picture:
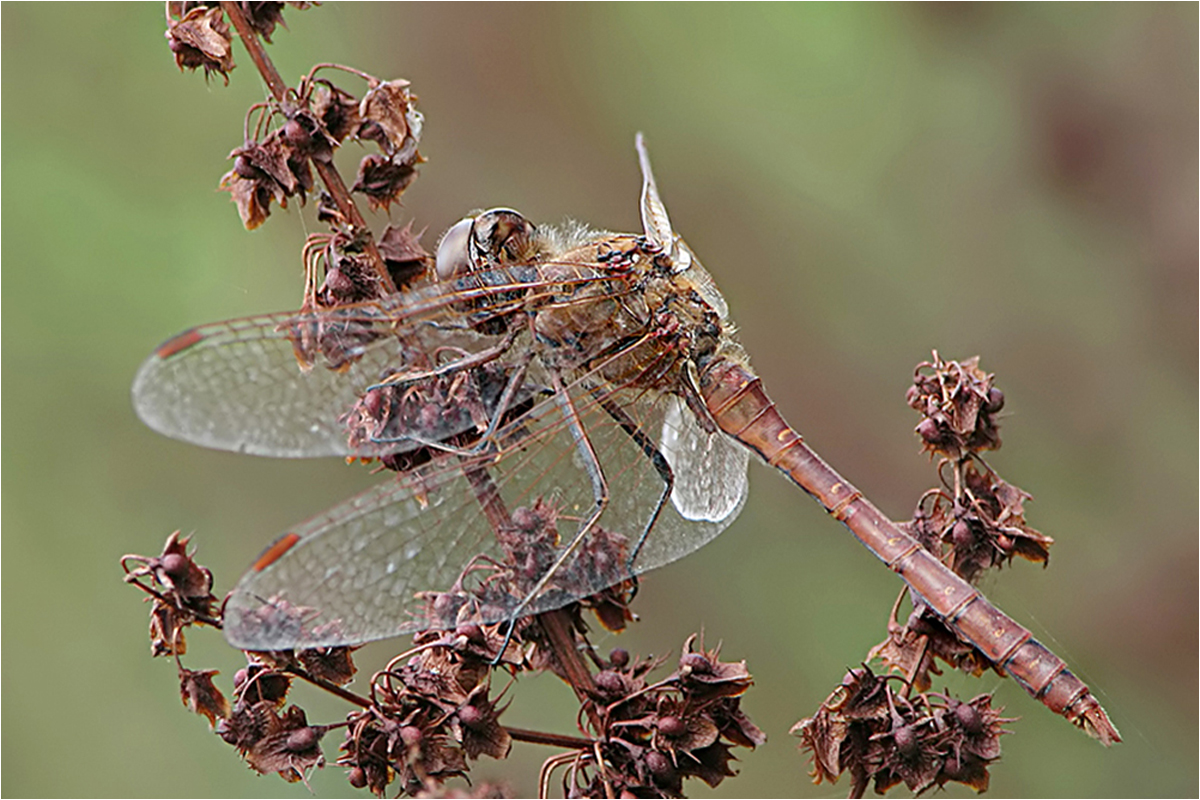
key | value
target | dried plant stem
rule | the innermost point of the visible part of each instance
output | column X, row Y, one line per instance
column 551, row 739
column 325, row 169
column 332, row 688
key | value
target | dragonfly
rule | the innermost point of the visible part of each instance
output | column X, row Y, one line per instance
column 562, row 410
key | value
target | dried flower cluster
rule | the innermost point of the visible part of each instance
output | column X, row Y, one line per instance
column 879, row 736
column 313, row 121
column 433, row 710
column 298, row 131
column 655, row 734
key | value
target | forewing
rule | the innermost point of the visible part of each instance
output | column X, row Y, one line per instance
column 283, row 384
column 238, row 386
column 710, row 469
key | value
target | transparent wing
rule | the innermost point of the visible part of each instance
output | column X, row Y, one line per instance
column 710, row 469
column 285, row 385
column 467, row 536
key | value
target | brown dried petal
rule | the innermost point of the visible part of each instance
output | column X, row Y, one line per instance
column 611, row 606
column 699, row 731
column 201, row 696
column 263, row 17
column 257, row 684
column 176, row 570
column 964, row 769
column 384, row 111
column 382, row 180
column 710, row 764
column 166, row 629
column 337, row 109
column 202, row 39
column 485, row 735
column 822, row 735
column 349, row 279
column 253, row 201
column 984, row 740
column 403, row 254
column 246, row 725
column 482, row 644
column 291, row 748
column 735, row 725
column 332, row 664
column 269, row 158
column 703, row 672
column 918, row 767
column 441, row 758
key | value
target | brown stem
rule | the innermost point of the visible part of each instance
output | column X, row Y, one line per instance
column 551, row 739
column 557, row 626
column 332, row 688
column 254, row 47
column 328, row 173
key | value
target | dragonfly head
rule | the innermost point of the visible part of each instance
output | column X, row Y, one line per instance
column 494, row 238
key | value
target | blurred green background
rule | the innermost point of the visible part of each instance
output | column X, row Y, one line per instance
column 865, row 183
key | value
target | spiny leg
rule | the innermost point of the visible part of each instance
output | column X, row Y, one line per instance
column 661, row 466
column 599, row 497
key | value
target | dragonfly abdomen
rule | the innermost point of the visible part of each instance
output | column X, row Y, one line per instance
column 740, row 407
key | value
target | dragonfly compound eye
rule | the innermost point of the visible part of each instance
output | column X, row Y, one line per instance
column 452, row 256
column 502, row 237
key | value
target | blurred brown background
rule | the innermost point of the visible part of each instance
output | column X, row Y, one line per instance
column 864, row 182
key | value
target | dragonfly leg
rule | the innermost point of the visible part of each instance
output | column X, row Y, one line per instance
column 599, row 495
column 472, row 361
column 661, row 466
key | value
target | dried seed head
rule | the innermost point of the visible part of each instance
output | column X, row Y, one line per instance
column 908, row 744
column 244, row 169
column 969, row 717
column 929, row 430
column 175, row 565
column 619, row 657
column 995, row 401
column 382, row 180
column 610, row 682
column 671, row 725
column 201, row 38
column 695, row 663
column 302, row 739
column 660, row 766
column 913, row 396
column 472, row 717
column 961, row 535
column 386, row 113
column 297, row 135
column 960, row 398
